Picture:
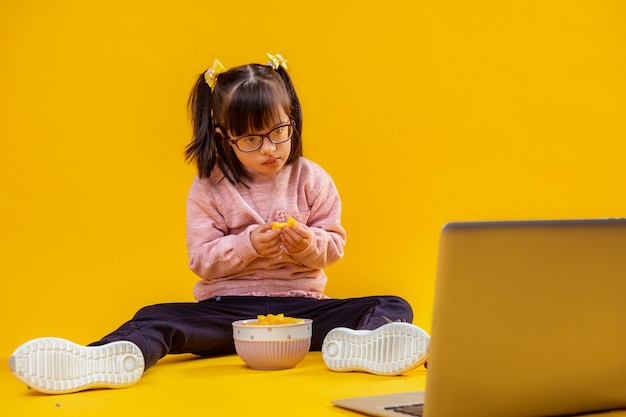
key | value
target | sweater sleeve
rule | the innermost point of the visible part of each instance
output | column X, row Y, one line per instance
column 214, row 250
column 329, row 237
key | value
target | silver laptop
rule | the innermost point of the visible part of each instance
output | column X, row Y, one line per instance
column 529, row 320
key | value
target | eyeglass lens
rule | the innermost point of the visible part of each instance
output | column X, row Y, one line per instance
column 279, row 135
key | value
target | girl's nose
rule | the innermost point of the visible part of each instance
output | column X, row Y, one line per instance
column 267, row 147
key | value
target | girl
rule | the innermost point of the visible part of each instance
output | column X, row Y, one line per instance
column 247, row 147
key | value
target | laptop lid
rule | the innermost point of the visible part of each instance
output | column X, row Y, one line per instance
column 529, row 319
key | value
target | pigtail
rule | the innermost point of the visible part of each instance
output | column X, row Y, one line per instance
column 201, row 150
column 296, row 114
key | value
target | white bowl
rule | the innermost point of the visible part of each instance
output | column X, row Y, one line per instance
column 271, row 347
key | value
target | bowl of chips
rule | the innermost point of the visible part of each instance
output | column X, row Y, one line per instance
column 272, row 342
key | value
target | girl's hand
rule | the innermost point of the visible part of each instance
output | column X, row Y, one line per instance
column 266, row 241
column 295, row 238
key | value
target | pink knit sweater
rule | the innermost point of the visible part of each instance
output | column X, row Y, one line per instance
column 221, row 215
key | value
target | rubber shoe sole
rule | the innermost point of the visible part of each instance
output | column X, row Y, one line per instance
column 58, row 366
column 392, row 349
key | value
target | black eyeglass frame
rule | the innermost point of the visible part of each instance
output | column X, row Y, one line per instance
column 235, row 141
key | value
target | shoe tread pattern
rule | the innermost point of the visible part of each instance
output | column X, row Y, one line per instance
column 391, row 349
column 58, row 366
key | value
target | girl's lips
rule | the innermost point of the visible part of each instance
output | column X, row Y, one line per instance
column 272, row 161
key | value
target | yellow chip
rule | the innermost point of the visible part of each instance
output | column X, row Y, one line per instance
column 273, row 319
column 289, row 223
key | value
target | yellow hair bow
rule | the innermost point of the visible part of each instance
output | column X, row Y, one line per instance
column 210, row 76
column 277, row 61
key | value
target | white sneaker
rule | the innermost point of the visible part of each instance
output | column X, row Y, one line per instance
column 392, row 349
column 58, row 366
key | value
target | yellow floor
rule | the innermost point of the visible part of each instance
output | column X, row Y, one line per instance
column 185, row 385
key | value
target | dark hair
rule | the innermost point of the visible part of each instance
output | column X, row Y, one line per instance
column 245, row 99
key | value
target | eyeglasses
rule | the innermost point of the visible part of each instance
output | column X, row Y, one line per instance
column 277, row 135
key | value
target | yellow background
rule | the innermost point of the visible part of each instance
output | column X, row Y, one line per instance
column 424, row 112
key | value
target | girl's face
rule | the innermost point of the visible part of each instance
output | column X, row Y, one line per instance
column 270, row 157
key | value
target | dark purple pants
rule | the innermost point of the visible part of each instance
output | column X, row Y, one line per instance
column 205, row 328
